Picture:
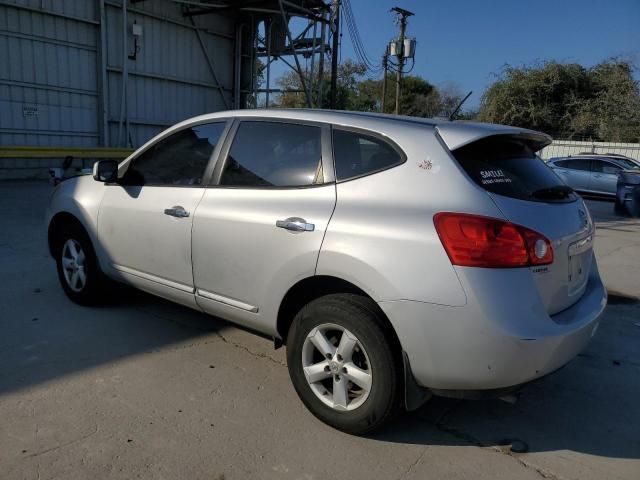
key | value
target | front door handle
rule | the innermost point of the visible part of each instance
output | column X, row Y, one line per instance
column 176, row 211
column 295, row 224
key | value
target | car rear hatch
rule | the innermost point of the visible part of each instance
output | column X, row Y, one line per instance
column 529, row 193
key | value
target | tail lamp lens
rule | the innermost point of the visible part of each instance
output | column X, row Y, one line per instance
column 477, row 241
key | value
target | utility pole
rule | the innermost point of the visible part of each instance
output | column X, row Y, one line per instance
column 335, row 12
column 385, row 59
column 404, row 14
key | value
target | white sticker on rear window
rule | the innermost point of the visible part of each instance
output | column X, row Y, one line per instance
column 493, row 176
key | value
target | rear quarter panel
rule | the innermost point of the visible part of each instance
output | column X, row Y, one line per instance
column 382, row 237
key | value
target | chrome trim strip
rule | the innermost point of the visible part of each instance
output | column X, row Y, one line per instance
column 580, row 246
column 227, row 301
column 153, row 278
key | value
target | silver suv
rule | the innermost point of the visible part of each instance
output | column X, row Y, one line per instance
column 397, row 258
column 595, row 174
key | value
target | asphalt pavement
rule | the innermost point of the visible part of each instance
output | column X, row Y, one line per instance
column 143, row 388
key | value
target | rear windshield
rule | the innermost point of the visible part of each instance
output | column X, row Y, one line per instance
column 507, row 166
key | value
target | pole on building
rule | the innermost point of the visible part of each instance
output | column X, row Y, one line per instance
column 323, row 29
column 335, row 11
column 103, row 120
column 307, row 94
column 403, row 28
column 385, row 59
column 268, row 31
column 125, row 74
column 313, row 56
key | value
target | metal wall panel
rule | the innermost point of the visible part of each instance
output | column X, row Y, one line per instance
column 50, row 70
column 48, row 84
column 170, row 79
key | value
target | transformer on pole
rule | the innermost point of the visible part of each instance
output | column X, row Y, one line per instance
column 401, row 48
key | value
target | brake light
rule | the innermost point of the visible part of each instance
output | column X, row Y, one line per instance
column 477, row 241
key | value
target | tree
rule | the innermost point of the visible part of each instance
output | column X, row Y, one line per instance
column 349, row 75
column 567, row 100
column 419, row 98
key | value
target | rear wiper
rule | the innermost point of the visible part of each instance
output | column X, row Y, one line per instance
column 558, row 192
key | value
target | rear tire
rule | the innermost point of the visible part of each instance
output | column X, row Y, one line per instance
column 78, row 271
column 343, row 365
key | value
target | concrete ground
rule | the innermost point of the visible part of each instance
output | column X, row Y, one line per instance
column 148, row 389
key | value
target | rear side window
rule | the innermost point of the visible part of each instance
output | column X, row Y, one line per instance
column 358, row 154
column 578, row 165
column 507, row 166
column 274, row 154
column 605, row 167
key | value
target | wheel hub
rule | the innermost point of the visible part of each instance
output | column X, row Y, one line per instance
column 334, row 366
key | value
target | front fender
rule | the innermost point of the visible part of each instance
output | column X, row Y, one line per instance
column 80, row 197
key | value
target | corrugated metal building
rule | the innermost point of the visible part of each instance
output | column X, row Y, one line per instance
column 97, row 73
column 61, row 70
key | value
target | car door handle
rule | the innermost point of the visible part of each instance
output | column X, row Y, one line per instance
column 295, row 224
column 176, row 211
column 596, row 175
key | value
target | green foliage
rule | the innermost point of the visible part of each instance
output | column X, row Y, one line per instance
column 418, row 97
column 350, row 74
column 567, row 100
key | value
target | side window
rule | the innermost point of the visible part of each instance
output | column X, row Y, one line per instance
column 274, row 154
column 358, row 154
column 605, row 167
column 179, row 159
column 562, row 164
column 579, row 165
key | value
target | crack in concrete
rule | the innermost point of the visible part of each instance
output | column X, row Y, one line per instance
column 540, row 471
column 63, row 445
column 408, row 471
column 249, row 351
column 471, row 440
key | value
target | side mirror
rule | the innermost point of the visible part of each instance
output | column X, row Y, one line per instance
column 105, row 171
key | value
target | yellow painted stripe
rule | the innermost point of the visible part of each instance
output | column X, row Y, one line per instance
column 61, row 152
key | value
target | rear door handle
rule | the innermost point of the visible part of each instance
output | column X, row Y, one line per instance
column 176, row 211
column 295, row 224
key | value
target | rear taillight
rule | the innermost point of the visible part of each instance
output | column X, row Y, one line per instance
column 477, row 241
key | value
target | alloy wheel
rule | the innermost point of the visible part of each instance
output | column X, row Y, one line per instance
column 336, row 367
column 73, row 265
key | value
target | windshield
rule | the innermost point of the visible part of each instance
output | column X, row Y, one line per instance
column 507, row 166
column 628, row 164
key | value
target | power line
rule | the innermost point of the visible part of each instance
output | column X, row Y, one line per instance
column 356, row 40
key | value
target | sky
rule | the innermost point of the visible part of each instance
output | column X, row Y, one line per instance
column 466, row 42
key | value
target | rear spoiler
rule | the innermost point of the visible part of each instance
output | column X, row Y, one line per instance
column 458, row 134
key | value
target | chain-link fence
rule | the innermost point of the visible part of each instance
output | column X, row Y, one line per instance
column 565, row 148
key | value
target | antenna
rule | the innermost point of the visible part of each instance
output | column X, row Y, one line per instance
column 453, row 114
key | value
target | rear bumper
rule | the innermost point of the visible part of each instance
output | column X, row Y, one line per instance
column 493, row 343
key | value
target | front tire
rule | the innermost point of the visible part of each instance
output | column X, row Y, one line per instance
column 77, row 266
column 343, row 364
